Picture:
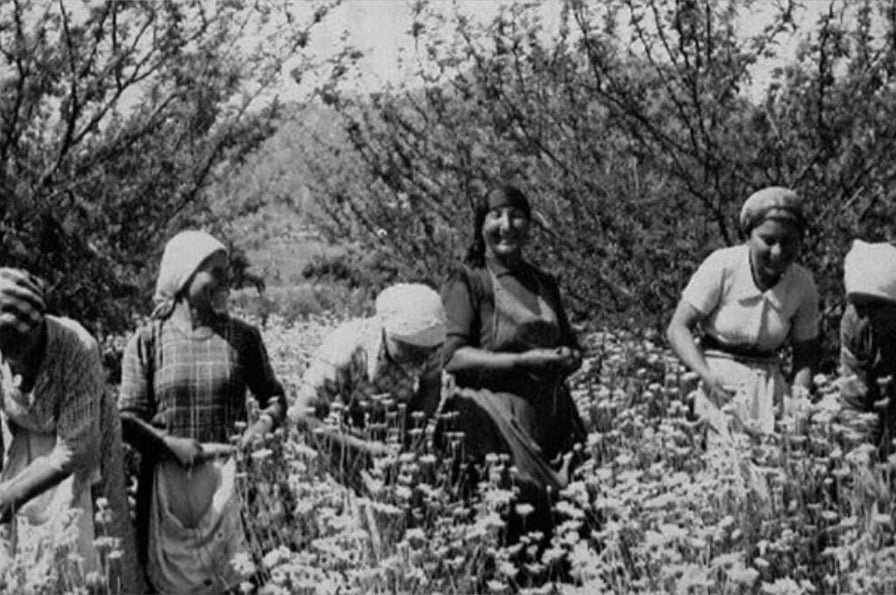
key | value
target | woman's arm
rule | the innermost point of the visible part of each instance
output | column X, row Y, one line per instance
column 328, row 377
column 77, row 426
column 805, row 356
column 136, row 404
column 265, row 387
column 805, row 342
column 155, row 442
column 473, row 359
column 569, row 338
column 35, row 479
column 681, row 337
column 462, row 353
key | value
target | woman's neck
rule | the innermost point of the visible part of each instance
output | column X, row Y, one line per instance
column 27, row 367
column 762, row 282
column 509, row 261
column 189, row 318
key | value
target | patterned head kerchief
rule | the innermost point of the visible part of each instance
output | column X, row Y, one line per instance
column 774, row 202
column 412, row 313
column 182, row 257
column 22, row 303
column 508, row 196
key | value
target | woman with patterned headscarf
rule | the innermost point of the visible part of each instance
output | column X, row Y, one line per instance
column 62, row 438
column 751, row 300
column 185, row 379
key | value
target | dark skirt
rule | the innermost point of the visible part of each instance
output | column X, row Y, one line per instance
column 538, row 432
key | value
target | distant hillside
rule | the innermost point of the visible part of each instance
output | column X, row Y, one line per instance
column 267, row 203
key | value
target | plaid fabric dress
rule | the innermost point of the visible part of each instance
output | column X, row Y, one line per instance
column 194, row 384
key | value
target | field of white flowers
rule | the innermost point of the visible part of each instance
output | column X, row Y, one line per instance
column 805, row 510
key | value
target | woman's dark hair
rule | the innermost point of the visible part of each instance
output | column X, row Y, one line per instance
column 500, row 196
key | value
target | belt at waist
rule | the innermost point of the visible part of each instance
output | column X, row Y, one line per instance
column 748, row 352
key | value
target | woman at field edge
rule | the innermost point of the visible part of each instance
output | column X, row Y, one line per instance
column 184, row 388
column 62, row 435
column 868, row 344
column 510, row 347
column 394, row 354
column 750, row 300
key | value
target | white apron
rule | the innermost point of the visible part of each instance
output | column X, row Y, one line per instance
column 61, row 514
column 195, row 528
column 758, row 385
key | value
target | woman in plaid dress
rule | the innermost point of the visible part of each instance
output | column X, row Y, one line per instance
column 185, row 378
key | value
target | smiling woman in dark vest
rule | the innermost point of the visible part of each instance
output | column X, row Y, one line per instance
column 510, row 348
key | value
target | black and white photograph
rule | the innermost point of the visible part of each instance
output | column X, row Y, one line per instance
column 447, row 297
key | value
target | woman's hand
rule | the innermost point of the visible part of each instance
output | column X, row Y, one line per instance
column 256, row 431
column 572, row 359
column 542, row 359
column 716, row 391
column 185, row 451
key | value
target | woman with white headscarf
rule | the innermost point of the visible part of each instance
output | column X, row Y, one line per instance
column 392, row 354
column 868, row 343
column 185, row 378
column 62, row 440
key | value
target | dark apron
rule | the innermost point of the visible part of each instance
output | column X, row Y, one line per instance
column 531, row 418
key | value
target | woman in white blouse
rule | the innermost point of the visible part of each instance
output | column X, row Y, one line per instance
column 750, row 301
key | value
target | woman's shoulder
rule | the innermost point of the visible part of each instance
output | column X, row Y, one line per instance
column 802, row 275
column 241, row 326
column 465, row 272
column 354, row 329
column 242, row 332
column 541, row 274
column 347, row 338
column 475, row 278
column 65, row 330
column 729, row 256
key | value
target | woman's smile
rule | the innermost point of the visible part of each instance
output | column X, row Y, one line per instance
column 505, row 231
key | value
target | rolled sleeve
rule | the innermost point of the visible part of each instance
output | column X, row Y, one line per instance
column 461, row 315
column 135, row 393
column 704, row 290
column 325, row 380
column 78, row 424
column 262, row 381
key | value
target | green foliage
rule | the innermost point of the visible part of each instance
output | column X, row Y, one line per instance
column 116, row 118
column 631, row 127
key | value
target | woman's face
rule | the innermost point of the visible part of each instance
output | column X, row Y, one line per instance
column 505, row 231
column 17, row 346
column 774, row 246
column 408, row 354
column 209, row 288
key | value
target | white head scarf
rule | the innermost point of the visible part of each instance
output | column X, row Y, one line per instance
column 182, row 257
column 870, row 269
column 412, row 313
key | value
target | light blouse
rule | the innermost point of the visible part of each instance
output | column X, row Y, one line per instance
column 737, row 313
